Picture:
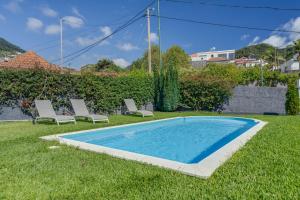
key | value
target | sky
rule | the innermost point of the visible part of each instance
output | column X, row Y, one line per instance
column 34, row 25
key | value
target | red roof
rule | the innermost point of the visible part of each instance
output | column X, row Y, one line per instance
column 29, row 60
column 217, row 59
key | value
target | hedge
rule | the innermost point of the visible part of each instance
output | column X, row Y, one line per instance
column 206, row 89
column 205, row 92
column 101, row 93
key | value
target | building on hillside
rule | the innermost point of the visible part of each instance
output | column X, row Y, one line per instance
column 291, row 65
column 28, row 60
column 248, row 62
column 201, row 59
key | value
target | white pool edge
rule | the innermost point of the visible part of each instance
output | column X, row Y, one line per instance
column 203, row 169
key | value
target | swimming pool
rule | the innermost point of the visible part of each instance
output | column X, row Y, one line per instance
column 182, row 143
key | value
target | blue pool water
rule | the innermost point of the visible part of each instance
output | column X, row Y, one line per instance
column 186, row 140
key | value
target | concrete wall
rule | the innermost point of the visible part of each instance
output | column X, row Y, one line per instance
column 257, row 100
column 245, row 99
column 10, row 113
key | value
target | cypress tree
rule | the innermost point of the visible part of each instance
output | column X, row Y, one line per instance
column 292, row 99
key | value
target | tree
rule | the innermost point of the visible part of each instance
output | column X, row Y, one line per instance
column 142, row 63
column 292, row 99
column 297, row 48
column 103, row 65
column 168, row 94
column 181, row 59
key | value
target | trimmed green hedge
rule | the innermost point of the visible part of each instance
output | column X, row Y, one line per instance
column 101, row 93
column 205, row 92
column 292, row 99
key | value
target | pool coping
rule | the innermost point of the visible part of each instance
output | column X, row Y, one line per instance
column 203, row 169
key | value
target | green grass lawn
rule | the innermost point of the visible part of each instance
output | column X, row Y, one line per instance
column 267, row 167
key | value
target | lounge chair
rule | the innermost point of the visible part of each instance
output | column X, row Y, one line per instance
column 132, row 109
column 81, row 110
column 46, row 111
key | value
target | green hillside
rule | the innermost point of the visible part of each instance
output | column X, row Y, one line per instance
column 264, row 50
column 7, row 48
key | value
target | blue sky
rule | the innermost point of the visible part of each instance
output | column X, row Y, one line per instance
column 33, row 25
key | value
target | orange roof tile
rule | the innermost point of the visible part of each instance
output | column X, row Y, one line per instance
column 29, row 60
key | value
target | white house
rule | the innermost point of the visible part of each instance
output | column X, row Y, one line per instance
column 205, row 56
column 248, row 62
column 291, row 65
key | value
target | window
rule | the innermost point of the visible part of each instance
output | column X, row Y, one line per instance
column 231, row 56
column 223, row 55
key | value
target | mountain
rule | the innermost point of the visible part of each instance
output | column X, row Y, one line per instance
column 7, row 48
column 264, row 50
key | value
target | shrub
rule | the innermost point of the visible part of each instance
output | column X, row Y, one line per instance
column 292, row 99
column 205, row 92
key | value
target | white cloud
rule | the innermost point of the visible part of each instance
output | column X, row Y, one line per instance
column 127, row 47
column 34, row 24
column 245, row 36
column 73, row 22
column 13, row 6
column 76, row 12
column 85, row 41
column 276, row 41
column 153, row 38
column 48, row 12
column 213, row 49
column 254, row 41
column 121, row 62
column 2, row 18
column 106, row 30
column 52, row 29
column 280, row 40
column 293, row 25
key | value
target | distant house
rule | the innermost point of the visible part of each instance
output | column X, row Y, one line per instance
column 201, row 59
column 291, row 65
column 28, row 60
column 248, row 62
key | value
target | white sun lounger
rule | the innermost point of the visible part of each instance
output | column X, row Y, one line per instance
column 46, row 111
column 81, row 110
column 132, row 109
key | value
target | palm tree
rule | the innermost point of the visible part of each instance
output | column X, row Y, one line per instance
column 297, row 48
column 272, row 56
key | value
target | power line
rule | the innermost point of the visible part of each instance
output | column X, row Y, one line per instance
column 227, row 25
column 118, row 21
column 77, row 53
column 57, row 40
column 235, row 6
column 71, row 35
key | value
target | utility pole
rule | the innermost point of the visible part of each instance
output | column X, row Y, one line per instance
column 159, row 36
column 61, row 42
column 149, row 41
column 261, row 74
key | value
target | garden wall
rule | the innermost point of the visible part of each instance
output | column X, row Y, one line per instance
column 257, row 100
column 15, row 113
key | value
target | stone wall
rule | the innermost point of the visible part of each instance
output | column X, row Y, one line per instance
column 245, row 99
column 15, row 113
column 257, row 100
